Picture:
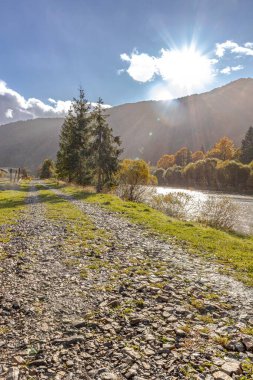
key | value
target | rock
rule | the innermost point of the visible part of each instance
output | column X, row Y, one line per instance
column 219, row 375
column 19, row 360
column 136, row 320
column 180, row 333
column 69, row 341
column 131, row 373
column 234, row 345
column 37, row 363
column 232, row 367
column 13, row 374
column 162, row 298
column 109, row 376
column 114, row 303
column 80, row 324
column 132, row 353
column 248, row 343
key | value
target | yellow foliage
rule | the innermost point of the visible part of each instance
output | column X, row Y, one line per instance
column 166, row 161
column 135, row 172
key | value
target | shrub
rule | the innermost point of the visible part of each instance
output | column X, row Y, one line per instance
column 133, row 178
column 218, row 213
column 176, row 204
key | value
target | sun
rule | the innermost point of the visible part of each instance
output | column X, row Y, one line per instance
column 186, row 68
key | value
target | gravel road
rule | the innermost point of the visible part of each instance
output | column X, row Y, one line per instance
column 141, row 309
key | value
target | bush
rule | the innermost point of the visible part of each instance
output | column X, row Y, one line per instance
column 133, row 178
column 136, row 193
column 219, row 213
column 176, row 205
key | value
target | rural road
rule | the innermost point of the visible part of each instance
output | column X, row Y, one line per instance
column 140, row 309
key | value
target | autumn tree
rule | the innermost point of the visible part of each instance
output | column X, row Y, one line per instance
column 247, row 147
column 133, row 176
column 224, row 149
column 166, row 161
column 183, row 157
column 198, row 155
column 104, row 148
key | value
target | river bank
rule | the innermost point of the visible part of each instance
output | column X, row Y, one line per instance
column 244, row 205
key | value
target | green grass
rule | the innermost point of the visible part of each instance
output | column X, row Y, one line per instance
column 12, row 201
column 82, row 230
column 230, row 249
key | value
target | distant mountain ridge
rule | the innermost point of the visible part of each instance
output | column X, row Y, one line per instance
column 148, row 129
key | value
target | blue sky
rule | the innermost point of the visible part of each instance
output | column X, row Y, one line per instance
column 121, row 49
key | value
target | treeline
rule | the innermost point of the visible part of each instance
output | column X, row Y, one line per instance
column 224, row 167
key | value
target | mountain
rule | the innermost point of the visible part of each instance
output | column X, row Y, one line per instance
column 148, row 129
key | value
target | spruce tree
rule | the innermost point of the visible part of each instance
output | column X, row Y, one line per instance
column 47, row 169
column 73, row 157
column 104, row 148
column 247, row 147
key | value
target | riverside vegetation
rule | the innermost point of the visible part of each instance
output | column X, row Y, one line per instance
column 104, row 287
column 224, row 167
column 94, row 287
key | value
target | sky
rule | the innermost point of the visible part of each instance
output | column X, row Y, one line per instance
column 121, row 50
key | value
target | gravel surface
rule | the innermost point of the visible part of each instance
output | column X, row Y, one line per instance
column 140, row 309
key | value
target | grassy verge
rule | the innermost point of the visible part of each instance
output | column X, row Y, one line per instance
column 232, row 250
column 81, row 231
column 12, row 201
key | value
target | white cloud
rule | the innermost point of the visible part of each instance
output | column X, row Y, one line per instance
column 233, row 47
column 9, row 113
column 15, row 107
column 229, row 69
column 186, row 68
column 249, row 45
column 142, row 67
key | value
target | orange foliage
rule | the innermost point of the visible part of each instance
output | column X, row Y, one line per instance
column 166, row 161
column 199, row 155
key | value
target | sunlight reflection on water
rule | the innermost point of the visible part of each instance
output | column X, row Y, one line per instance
column 244, row 204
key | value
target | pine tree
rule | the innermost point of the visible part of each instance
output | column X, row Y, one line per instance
column 104, row 148
column 47, row 169
column 247, row 147
column 73, row 157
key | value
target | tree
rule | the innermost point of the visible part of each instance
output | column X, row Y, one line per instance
column 247, row 147
column 133, row 176
column 166, row 161
column 104, row 147
column 198, row 155
column 224, row 149
column 47, row 169
column 73, row 157
column 183, row 157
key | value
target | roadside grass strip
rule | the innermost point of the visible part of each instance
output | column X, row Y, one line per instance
column 82, row 235
column 232, row 250
column 12, row 202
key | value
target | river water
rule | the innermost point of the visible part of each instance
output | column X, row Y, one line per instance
column 244, row 205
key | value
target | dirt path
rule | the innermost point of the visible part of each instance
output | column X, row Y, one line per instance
column 140, row 310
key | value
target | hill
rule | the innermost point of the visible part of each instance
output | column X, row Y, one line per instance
column 147, row 129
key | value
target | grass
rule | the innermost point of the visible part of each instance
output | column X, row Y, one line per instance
column 12, row 201
column 232, row 250
column 81, row 231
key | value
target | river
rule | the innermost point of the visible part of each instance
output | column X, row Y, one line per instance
column 244, row 205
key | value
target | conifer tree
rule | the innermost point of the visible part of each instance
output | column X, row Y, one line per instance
column 47, row 169
column 73, row 157
column 105, row 149
column 247, row 147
